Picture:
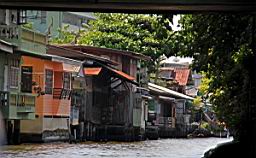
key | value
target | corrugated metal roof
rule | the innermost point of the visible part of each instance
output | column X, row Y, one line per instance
column 168, row 91
column 75, row 54
column 93, row 50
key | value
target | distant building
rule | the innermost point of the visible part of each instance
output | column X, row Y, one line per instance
column 50, row 22
column 176, row 69
column 177, row 62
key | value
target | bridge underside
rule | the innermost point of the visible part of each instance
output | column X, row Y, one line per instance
column 135, row 6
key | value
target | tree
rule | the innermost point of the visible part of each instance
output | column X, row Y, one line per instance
column 146, row 34
column 221, row 45
column 64, row 37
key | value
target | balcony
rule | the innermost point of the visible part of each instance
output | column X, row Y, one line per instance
column 17, row 105
column 25, row 39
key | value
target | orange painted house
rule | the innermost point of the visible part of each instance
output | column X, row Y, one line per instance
column 51, row 81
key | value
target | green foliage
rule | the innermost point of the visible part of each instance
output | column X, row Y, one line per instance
column 28, row 25
column 204, row 86
column 205, row 125
column 221, row 47
column 146, row 34
column 197, row 102
column 64, row 37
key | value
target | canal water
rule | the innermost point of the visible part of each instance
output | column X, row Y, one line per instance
column 163, row 148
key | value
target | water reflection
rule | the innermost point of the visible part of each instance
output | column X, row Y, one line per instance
column 176, row 148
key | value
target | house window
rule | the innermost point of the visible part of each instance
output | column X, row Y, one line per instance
column 22, row 17
column 66, row 80
column 48, row 81
column 26, row 79
column 14, row 73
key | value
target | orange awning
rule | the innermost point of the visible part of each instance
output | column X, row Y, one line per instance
column 92, row 70
column 124, row 75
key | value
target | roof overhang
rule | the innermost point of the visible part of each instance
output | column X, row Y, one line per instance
column 94, row 68
column 163, row 90
column 6, row 46
column 134, row 6
column 166, row 99
column 121, row 75
column 95, row 50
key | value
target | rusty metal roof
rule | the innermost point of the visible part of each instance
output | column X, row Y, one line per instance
column 75, row 54
column 96, row 50
column 162, row 90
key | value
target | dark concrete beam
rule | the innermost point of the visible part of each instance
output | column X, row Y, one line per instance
column 135, row 6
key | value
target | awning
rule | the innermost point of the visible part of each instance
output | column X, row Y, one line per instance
column 124, row 74
column 92, row 70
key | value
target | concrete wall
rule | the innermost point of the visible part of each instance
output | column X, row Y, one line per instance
column 52, row 124
column 32, row 126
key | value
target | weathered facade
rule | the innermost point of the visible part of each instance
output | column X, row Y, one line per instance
column 51, row 80
column 16, row 103
column 112, row 110
column 172, row 118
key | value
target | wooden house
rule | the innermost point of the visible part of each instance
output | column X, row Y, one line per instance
column 172, row 118
column 112, row 110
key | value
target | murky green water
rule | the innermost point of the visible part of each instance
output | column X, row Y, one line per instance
column 173, row 148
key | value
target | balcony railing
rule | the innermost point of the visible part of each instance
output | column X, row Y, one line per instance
column 61, row 93
column 17, row 105
column 9, row 32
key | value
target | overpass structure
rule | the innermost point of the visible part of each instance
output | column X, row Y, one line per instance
column 135, row 6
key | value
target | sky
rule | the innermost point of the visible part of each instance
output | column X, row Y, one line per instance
column 175, row 26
